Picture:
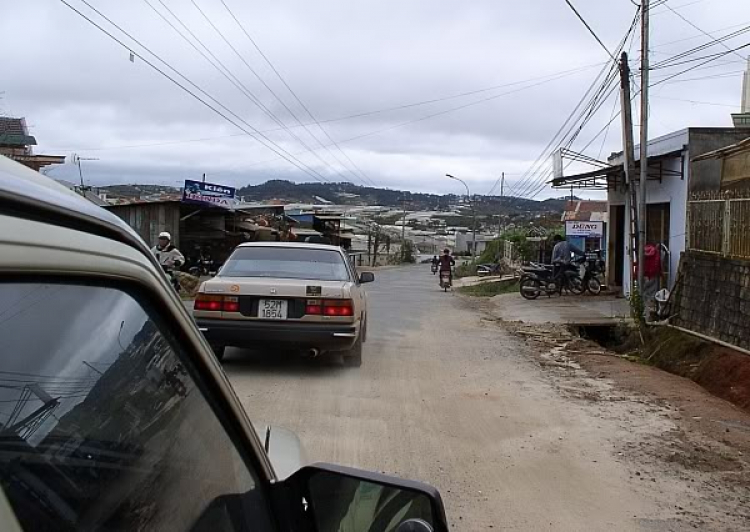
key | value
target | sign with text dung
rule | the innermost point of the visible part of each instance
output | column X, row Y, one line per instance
column 585, row 229
column 208, row 194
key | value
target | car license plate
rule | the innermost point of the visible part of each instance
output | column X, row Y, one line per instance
column 272, row 309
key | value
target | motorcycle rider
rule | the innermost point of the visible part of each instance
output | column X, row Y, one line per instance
column 446, row 264
column 435, row 263
column 168, row 256
column 562, row 255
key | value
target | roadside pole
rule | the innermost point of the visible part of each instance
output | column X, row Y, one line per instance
column 629, row 154
column 403, row 232
column 644, row 141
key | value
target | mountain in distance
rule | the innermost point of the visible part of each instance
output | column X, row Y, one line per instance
column 351, row 194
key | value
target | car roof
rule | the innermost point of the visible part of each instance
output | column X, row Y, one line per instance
column 29, row 194
column 294, row 245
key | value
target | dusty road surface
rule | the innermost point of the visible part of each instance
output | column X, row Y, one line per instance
column 449, row 397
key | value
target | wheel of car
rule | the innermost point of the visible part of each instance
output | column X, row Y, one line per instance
column 219, row 351
column 353, row 357
column 529, row 288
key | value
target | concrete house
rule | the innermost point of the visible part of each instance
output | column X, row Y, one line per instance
column 671, row 179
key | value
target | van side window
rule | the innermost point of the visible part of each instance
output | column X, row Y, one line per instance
column 102, row 426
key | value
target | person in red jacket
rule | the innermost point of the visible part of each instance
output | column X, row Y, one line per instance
column 446, row 263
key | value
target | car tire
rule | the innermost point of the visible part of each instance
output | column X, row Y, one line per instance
column 353, row 357
column 219, row 351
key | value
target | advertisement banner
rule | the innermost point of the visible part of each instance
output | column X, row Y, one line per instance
column 585, row 229
column 208, row 194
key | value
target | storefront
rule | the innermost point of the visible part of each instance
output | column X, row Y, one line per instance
column 587, row 236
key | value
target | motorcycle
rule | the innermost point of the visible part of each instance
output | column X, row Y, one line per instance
column 173, row 280
column 434, row 268
column 489, row 269
column 593, row 276
column 541, row 278
column 446, row 281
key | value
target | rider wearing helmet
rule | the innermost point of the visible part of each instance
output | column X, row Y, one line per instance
column 168, row 256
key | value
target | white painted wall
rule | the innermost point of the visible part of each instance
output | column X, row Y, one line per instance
column 672, row 190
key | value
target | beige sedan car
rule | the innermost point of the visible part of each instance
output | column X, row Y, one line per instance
column 304, row 296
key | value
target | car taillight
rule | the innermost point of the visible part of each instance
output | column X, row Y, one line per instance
column 217, row 303
column 314, row 307
column 231, row 304
column 329, row 307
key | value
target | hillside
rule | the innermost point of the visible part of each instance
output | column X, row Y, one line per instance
column 350, row 194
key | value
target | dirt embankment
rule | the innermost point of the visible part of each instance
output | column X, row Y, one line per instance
column 722, row 371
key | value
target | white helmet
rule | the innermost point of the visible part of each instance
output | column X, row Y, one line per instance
column 165, row 234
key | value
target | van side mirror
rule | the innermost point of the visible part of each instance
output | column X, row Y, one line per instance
column 329, row 498
column 366, row 277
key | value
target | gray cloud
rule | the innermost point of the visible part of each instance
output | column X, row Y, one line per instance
column 79, row 91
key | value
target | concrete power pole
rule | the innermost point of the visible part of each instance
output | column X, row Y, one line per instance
column 403, row 232
column 502, row 185
column 628, row 152
column 644, row 141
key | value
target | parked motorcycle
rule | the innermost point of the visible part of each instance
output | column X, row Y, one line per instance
column 489, row 269
column 593, row 276
column 446, row 281
column 541, row 278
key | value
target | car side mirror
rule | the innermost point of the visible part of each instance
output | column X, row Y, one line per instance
column 329, row 498
column 366, row 277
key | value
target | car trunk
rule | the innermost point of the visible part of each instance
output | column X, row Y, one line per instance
column 251, row 291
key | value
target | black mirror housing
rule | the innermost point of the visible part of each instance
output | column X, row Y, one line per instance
column 366, row 277
column 325, row 497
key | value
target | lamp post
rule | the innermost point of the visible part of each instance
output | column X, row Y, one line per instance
column 473, row 214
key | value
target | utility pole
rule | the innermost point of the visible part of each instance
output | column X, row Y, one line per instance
column 645, row 8
column 403, row 231
column 502, row 185
column 204, row 177
column 629, row 155
column 473, row 212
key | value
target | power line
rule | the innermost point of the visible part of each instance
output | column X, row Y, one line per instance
column 253, row 132
column 700, row 30
column 549, row 77
column 225, row 71
column 294, row 94
column 591, row 30
column 534, row 176
column 262, row 81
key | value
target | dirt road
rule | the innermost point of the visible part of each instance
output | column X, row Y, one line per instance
column 450, row 398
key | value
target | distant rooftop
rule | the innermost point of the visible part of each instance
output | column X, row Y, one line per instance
column 13, row 132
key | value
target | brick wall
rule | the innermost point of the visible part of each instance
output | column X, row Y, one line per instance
column 712, row 297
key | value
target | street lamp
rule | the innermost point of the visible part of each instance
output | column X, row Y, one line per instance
column 473, row 213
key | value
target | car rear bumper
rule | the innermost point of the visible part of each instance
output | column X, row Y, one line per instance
column 245, row 333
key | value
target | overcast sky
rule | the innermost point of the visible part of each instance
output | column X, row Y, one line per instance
column 80, row 92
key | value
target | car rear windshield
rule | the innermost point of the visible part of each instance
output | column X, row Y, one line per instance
column 286, row 263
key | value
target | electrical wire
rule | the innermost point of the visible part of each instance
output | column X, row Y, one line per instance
column 225, row 71
column 296, row 97
column 273, row 93
column 534, row 177
column 248, row 129
column 551, row 77
column 591, row 30
column 700, row 30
